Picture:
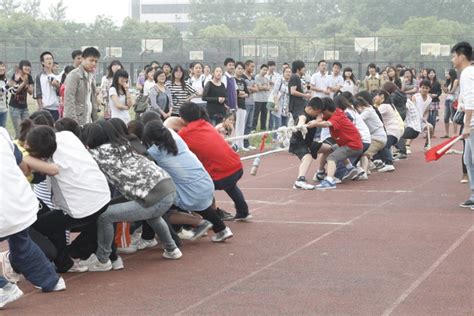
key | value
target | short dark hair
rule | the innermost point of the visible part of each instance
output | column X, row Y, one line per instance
column 316, row 103
column 68, row 124
column 263, row 66
column 463, row 48
column 76, row 53
column 328, row 105
column 41, row 141
column 91, row 52
column 239, row 63
column 297, row 65
column 248, row 62
column 271, row 63
column 229, row 60
column 425, row 83
column 150, row 116
column 321, row 61
column 157, row 74
column 24, row 63
column 191, row 112
column 337, row 64
column 372, row 65
column 136, row 127
column 44, row 54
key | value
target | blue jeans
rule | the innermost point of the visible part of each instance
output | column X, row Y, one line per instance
column 432, row 116
column 28, row 259
column 229, row 185
column 248, row 121
column 3, row 119
column 469, row 162
column 131, row 211
column 17, row 116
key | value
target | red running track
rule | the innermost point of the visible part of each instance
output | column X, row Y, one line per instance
column 397, row 244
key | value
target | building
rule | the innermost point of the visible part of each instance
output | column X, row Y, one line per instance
column 174, row 12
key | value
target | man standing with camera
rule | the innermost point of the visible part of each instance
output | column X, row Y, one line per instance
column 47, row 86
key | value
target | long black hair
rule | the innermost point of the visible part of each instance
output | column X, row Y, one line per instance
column 191, row 112
column 175, row 69
column 110, row 73
column 157, row 134
column 453, row 75
column 66, row 72
column 103, row 132
column 68, row 124
column 119, row 74
column 352, row 77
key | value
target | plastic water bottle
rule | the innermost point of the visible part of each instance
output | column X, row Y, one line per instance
column 255, row 165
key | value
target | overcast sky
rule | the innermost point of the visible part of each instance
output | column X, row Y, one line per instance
column 85, row 11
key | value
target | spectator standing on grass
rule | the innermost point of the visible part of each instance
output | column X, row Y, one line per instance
column 80, row 98
column 229, row 82
column 215, row 95
column 241, row 114
column 409, row 84
column 106, row 83
column 120, row 100
column 320, row 81
column 76, row 58
column 373, row 82
column 435, row 93
column 261, row 98
column 160, row 96
column 335, row 80
column 272, row 75
column 451, row 88
column 197, row 81
column 181, row 91
column 22, row 84
column 461, row 59
column 47, row 86
column 298, row 98
column 249, row 78
column 3, row 95
column 350, row 84
column 393, row 76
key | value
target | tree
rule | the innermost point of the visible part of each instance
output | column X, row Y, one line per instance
column 31, row 7
column 8, row 7
column 57, row 12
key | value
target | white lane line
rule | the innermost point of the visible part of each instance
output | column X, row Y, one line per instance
column 427, row 273
column 336, row 190
column 300, row 222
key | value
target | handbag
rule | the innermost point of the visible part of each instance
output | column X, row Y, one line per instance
column 458, row 117
column 141, row 104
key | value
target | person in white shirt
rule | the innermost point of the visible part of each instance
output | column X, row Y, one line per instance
column 149, row 81
column 336, row 80
column 461, row 58
column 197, row 81
column 46, row 88
column 422, row 101
column 120, row 100
column 349, row 82
column 320, row 81
column 106, row 83
column 19, row 207
column 272, row 75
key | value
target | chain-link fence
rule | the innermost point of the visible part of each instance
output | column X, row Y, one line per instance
column 417, row 51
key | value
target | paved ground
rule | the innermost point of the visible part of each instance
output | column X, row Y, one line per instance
column 397, row 244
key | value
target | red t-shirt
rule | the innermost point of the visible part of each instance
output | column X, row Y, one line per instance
column 211, row 149
column 344, row 132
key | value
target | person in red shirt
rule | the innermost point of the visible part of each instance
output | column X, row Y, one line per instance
column 345, row 134
column 219, row 159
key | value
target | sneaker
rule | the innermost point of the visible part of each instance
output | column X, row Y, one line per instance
column 379, row 164
column 427, row 147
column 251, row 147
column 94, row 265
column 387, row 168
column 246, row 218
column 408, row 150
column 60, row 286
column 337, row 180
column 303, row 185
column 360, row 172
column 9, row 293
column 223, row 235
column 225, row 216
column 77, row 267
column 132, row 248
column 467, row 204
column 185, row 234
column 363, row 176
column 350, row 174
column 319, row 176
column 326, row 185
column 143, row 243
column 244, row 149
column 172, row 254
column 200, row 229
column 7, row 269
column 400, row 157
column 371, row 165
column 118, row 264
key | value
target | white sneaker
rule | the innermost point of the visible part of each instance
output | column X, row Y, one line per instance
column 185, row 234
column 363, row 177
column 9, row 293
column 222, row 235
column 60, row 286
column 303, row 185
column 251, row 147
column 7, row 269
column 408, row 150
column 117, row 264
column 387, row 168
column 143, row 243
column 77, row 267
column 173, row 254
column 337, row 180
column 132, row 248
column 244, row 149
column 93, row 264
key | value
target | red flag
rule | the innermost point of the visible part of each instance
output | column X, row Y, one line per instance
column 262, row 144
column 438, row 151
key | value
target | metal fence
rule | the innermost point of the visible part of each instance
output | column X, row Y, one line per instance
column 350, row 51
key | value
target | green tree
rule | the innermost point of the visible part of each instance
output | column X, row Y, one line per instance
column 57, row 12
column 8, row 7
column 31, row 7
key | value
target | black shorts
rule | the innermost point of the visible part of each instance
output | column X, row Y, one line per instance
column 410, row 133
column 299, row 148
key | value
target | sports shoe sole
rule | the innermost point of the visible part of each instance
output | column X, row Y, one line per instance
column 243, row 219
column 17, row 293
column 301, row 188
column 325, row 188
column 202, row 232
column 224, row 239
column 353, row 173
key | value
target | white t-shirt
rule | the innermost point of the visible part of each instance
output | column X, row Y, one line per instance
column 321, row 82
column 349, row 86
column 80, row 189
column 198, row 86
column 18, row 203
column 335, row 81
column 147, row 86
column 466, row 93
column 124, row 115
column 360, row 125
column 50, row 97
